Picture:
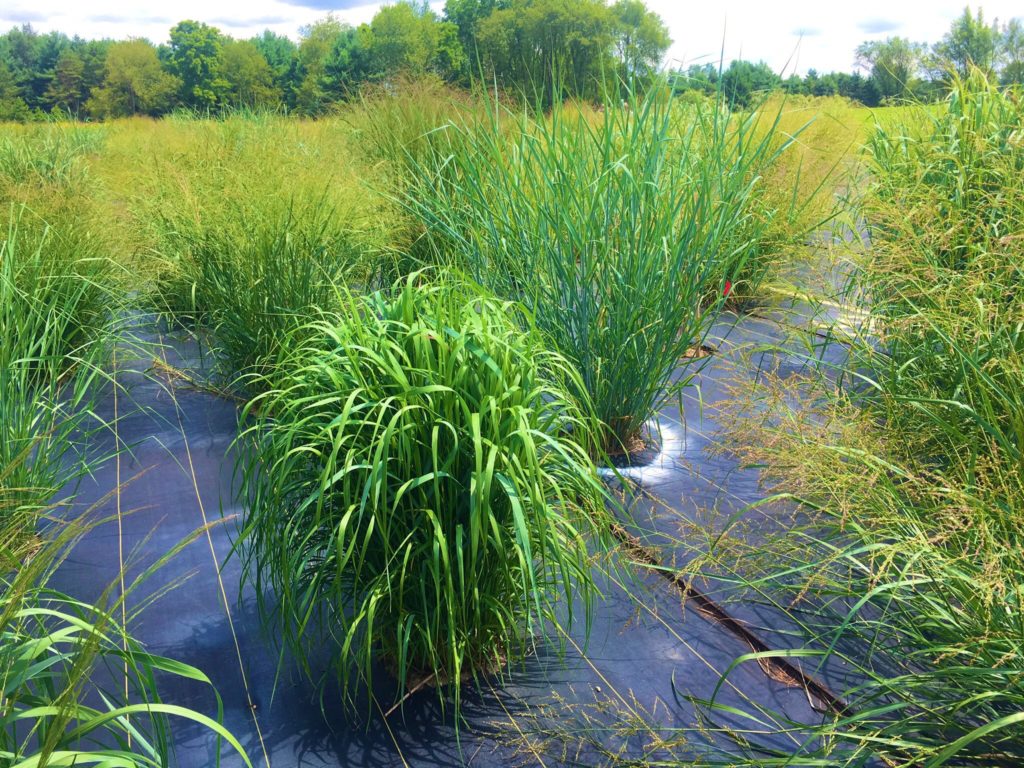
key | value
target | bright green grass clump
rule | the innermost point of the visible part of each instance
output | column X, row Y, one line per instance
column 618, row 231
column 416, row 487
column 56, row 312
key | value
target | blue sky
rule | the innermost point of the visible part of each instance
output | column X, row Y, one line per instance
column 795, row 35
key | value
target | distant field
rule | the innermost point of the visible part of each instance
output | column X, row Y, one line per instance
column 137, row 179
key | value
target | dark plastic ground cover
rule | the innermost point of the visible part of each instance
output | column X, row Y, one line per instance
column 695, row 496
column 647, row 651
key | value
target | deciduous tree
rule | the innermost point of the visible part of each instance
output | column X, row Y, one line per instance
column 1011, row 53
column 409, row 37
column 325, row 52
column 641, row 37
column 551, row 48
column 893, row 63
column 969, row 42
column 743, row 79
column 467, row 15
column 134, row 83
column 249, row 78
column 282, row 56
column 194, row 57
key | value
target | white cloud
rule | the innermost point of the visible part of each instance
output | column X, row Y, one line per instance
column 756, row 30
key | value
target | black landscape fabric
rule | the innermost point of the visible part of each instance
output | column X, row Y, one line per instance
column 570, row 703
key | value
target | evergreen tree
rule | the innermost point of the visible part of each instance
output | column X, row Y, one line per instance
column 67, row 89
column 282, row 56
column 12, row 105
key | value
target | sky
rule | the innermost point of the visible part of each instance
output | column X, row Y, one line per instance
column 790, row 35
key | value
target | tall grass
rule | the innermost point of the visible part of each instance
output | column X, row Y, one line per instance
column 957, row 165
column 400, row 126
column 619, row 234
column 55, row 320
column 906, row 580
column 46, row 155
column 241, row 226
column 911, row 577
column 416, row 487
column 255, row 280
column 946, row 293
column 167, row 186
column 805, row 186
column 404, row 128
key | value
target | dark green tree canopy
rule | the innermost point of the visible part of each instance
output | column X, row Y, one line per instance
column 543, row 50
column 194, row 57
column 551, row 48
column 466, row 15
column 281, row 54
column 408, row 37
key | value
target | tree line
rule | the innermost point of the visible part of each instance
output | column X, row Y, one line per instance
column 514, row 43
column 550, row 48
column 889, row 71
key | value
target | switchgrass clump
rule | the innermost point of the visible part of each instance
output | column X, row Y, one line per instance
column 803, row 188
column 243, row 225
column 960, row 164
column 227, row 177
column 403, row 129
column 946, row 210
column 418, row 488
column 619, row 231
column 251, row 284
column 50, row 155
column 905, row 582
column 56, row 315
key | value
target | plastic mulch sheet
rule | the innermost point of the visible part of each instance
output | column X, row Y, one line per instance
column 570, row 703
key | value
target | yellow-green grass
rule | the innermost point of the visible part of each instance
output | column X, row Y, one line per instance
column 161, row 181
column 138, row 183
column 913, row 566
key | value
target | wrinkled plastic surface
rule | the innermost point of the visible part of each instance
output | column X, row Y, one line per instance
column 647, row 651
